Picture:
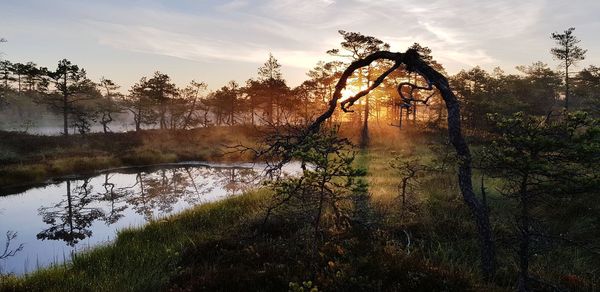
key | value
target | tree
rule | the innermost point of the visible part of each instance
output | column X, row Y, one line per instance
column 70, row 219
column 114, row 196
column 327, row 187
column 272, row 88
column 35, row 77
column 5, row 67
column 108, row 104
column 140, row 105
column 18, row 70
column 538, row 89
column 8, row 251
column 586, row 90
column 305, row 93
column 434, row 79
column 569, row 53
column 225, row 103
column 356, row 47
column 270, row 70
column 159, row 90
column 5, row 73
column 186, row 112
column 543, row 164
column 409, row 170
column 254, row 92
column 535, row 91
column 322, row 83
column 72, row 87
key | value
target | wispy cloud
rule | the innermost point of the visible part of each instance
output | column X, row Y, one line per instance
column 150, row 40
column 299, row 32
column 461, row 33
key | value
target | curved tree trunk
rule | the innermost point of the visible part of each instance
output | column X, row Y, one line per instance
column 415, row 64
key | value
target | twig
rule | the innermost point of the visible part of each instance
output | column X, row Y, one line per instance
column 10, row 236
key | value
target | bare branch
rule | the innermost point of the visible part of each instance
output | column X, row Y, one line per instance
column 341, row 84
column 8, row 252
column 350, row 101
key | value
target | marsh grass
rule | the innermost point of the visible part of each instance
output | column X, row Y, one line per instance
column 143, row 259
column 220, row 247
column 31, row 159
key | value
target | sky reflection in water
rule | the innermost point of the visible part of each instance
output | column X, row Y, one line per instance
column 58, row 219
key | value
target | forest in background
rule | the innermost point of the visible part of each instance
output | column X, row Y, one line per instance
column 535, row 140
column 69, row 99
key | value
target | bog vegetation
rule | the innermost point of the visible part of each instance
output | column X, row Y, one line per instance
column 391, row 197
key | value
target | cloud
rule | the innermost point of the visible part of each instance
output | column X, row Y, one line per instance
column 232, row 5
column 145, row 39
column 461, row 32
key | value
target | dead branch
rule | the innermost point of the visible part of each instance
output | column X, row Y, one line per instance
column 8, row 252
column 435, row 79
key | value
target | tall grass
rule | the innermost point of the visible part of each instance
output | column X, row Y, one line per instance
column 143, row 259
column 204, row 248
column 28, row 159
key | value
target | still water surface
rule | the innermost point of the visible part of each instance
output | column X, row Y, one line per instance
column 72, row 215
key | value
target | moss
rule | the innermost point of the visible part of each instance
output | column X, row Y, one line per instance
column 29, row 159
column 147, row 156
column 22, row 174
column 81, row 165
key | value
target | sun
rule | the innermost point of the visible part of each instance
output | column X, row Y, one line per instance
column 347, row 93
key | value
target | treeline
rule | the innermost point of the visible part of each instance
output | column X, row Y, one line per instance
column 538, row 90
column 155, row 101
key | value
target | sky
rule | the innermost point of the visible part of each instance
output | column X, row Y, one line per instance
column 217, row 41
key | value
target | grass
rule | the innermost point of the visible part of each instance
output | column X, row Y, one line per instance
column 31, row 159
column 143, row 259
column 221, row 247
column 212, row 247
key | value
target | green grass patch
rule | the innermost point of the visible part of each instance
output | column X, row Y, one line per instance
column 143, row 259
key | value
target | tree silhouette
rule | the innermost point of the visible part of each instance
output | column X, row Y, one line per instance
column 115, row 196
column 6, row 73
column 587, row 90
column 140, row 105
column 543, row 164
column 270, row 70
column 272, row 90
column 189, row 110
column 569, row 52
column 108, row 104
column 321, row 84
column 357, row 46
column 8, row 251
column 201, row 188
column 226, row 104
column 158, row 191
column 235, row 180
column 434, row 79
column 35, row 78
column 71, row 218
column 160, row 91
column 18, row 70
column 72, row 86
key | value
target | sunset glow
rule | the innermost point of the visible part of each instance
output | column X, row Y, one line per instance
column 348, row 92
column 299, row 145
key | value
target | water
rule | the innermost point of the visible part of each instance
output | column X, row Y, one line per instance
column 58, row 219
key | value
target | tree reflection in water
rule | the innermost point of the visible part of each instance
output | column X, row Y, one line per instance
column 70, row 219
column 151, row 195
column 115, row 197
column 236, row 180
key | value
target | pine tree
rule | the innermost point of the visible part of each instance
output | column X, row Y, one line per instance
column 569, row 53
